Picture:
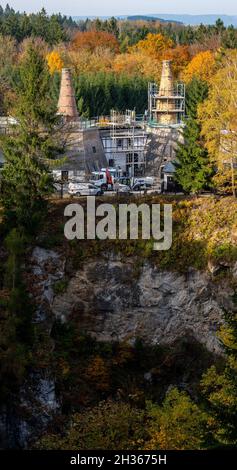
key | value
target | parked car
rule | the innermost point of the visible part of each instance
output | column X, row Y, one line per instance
column 84, row 189
column 131, row 181
column 147, row 181
column 141, row 186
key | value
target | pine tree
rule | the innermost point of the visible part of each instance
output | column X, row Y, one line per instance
column 29, row 148
column 193, row 170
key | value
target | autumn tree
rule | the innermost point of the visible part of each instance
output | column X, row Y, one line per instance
column 218, row 116
column 137, row 63
column 180, row 57
column 202, row 67
column 178, row 424
column 55, row 62
column 108, row 426
column 154, row 45
column 92, row 40
column 84, row 61
column 31, row 42
column 152, row 50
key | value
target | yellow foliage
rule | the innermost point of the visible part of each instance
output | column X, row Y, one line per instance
column 84, row 61
column 227, row 337
column 137, row 63
column 218, row 116
column 146, row 56
column 153, row 45
column 202, row 66
column 55, row 62
column 176, row 425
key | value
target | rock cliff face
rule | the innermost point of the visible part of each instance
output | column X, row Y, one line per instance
column 36, row 403
column 115, row 302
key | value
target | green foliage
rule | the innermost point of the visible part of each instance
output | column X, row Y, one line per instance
column 60, row 286
column 204, row 229
column 25, row 179
column 21, row 26
column 197, row 91
column 14, row 243
column 98, row 93
column 193, row 170
column 16, row 329
column 25, row 183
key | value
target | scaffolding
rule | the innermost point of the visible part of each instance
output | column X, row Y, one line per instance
column 128, row 137
column 172, row 104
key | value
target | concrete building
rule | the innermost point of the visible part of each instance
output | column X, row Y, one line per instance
column 134, row 145
column 124, row 143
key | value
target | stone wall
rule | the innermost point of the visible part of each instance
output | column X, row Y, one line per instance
column 162, row 147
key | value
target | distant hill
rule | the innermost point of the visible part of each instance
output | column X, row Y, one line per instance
column 151, row 18
column 193, row 20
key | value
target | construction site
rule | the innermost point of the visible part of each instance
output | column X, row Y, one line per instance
column 132, row 145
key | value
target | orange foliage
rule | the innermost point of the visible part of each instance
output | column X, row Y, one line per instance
column 91, row 40
column 180, row 57
column 148, row 54
column 154, row 45
column 202, row 66
column 137, row 62
column 55, row 62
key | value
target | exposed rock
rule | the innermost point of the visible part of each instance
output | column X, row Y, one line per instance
column 113, row 301
column 159, row 307
column 25, row 420
column 46, row 268
column 37, row 400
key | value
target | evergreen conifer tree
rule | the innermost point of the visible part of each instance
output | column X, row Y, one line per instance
column 193, row 170
column 28, row 149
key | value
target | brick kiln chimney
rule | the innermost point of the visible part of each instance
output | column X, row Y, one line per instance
column 165, row 102
column 67, row 102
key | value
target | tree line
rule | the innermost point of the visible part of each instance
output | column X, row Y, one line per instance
column 130, row 32
column 97, row 94
column 53, row 29
column 59, row 28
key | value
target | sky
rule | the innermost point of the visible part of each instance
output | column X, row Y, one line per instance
column 125, row 7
